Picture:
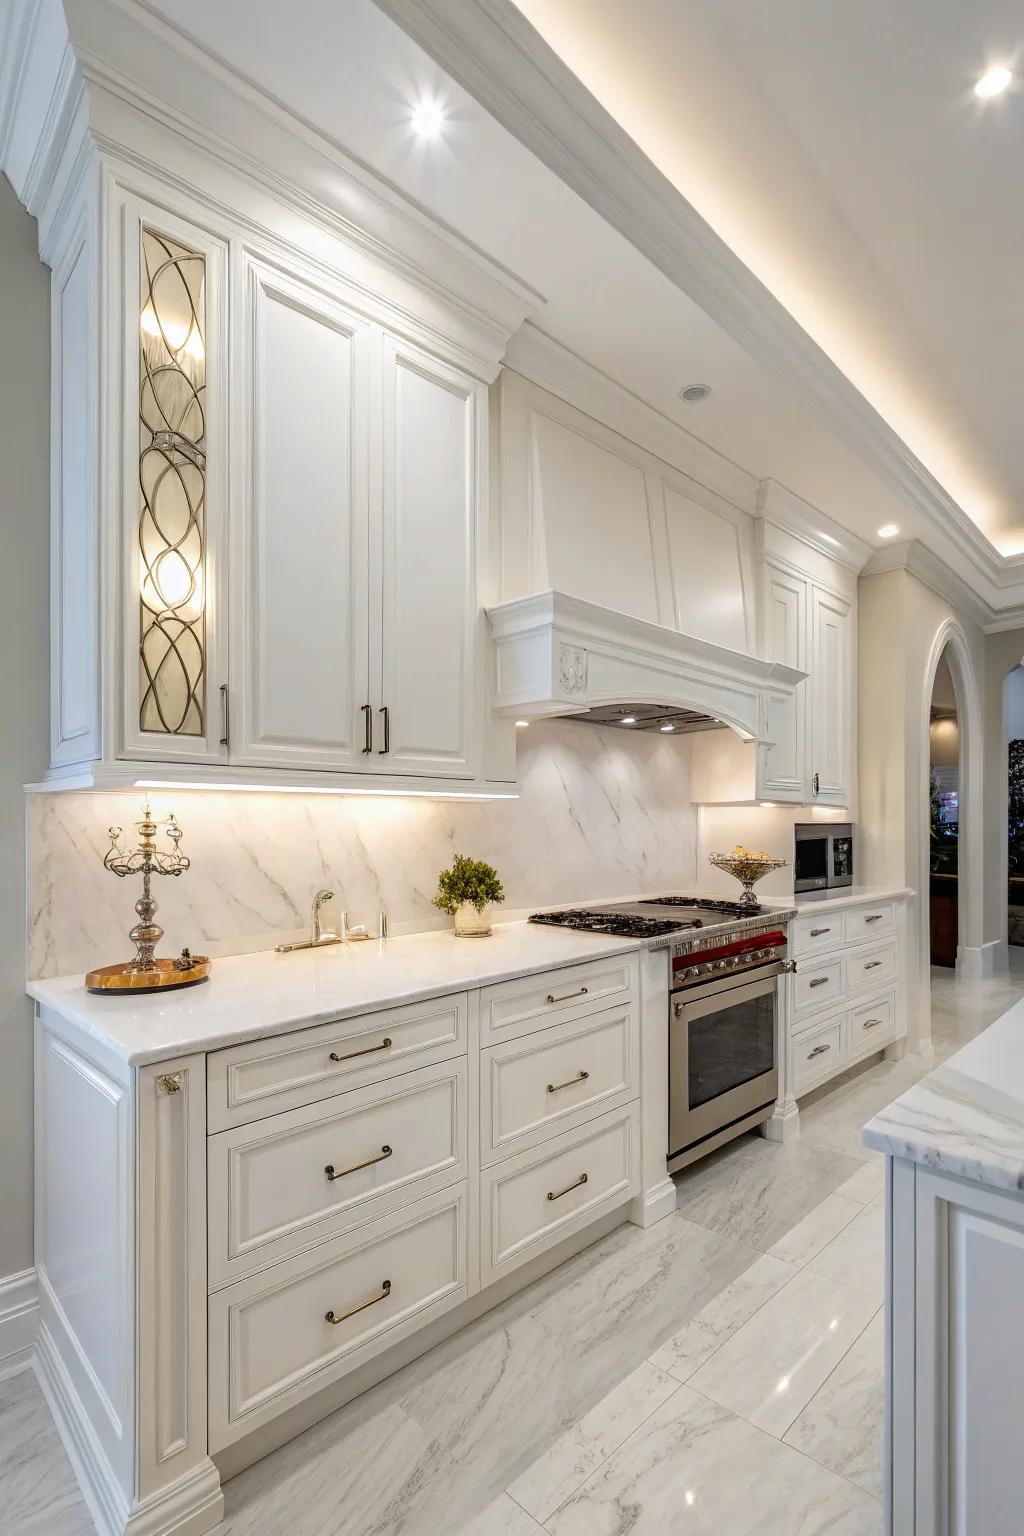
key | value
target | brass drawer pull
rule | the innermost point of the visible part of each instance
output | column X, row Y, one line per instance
column 873, row 965
column 871, row 1023
column 875, row 917
column 819, row 1050
column 339, row 1317
column 367, row 1050
column 580, row 1077
column 580, row 992
column 367, row 1163
column 816, row 933
column 558, row 1193
column 818, row 981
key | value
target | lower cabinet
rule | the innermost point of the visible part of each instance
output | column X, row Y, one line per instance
column 293, row 1328
column 956, row 1355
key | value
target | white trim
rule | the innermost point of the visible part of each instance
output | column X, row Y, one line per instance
column 19, row 1320
column 913, row 556
column 18, row 21
column 99, row 1487
column 977, row 961
column 804, row 521
column 491, row 49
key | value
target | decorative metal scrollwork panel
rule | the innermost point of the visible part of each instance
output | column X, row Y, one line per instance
column 172, row 484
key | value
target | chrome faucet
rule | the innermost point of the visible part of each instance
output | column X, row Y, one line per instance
column 319, row 938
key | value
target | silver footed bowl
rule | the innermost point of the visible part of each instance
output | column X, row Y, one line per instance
column 748, row 869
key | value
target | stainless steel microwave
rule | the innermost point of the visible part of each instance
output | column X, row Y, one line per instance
column 824, row 855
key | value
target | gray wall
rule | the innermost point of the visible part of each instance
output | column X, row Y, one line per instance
column 24, row 680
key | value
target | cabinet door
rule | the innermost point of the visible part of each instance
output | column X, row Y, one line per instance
column 781, row 767
column 831, row 687
column 433, row 469
column 302, row 675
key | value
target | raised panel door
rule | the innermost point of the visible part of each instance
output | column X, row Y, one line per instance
column 784, row 639
column 303, row 657
column 830, row 699
column 432, row 474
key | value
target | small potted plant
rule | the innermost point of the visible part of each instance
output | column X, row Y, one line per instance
column 464, row 891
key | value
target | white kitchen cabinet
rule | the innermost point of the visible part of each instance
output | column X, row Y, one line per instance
column 956, row 1269
column 806, row 621
column 828, row 732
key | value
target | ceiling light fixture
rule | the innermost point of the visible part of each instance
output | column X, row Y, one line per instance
column 521, row 725
column 993, row 82
column 668, row 727
column 628, row 720
column 427, row 119
column 695, row 394
column 888, row 530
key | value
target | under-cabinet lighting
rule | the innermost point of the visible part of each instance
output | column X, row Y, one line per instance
column 993, row 82
column 628, row 720
column 667, row 727
column 332, row 789
column 888, row 530
column 767, row 805
column 521, row 725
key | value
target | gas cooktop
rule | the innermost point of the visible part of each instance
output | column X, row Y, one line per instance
column 628, row 920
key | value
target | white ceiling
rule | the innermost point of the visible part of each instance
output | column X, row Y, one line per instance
column 355, row 76
column 840, row 152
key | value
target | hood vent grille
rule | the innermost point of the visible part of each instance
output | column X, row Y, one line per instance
column 648, row 717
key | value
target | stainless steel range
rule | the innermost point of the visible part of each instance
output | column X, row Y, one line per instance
column 723, row 1075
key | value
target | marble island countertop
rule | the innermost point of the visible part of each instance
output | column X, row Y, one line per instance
column 966, row 1117
column 249, row 997
column 835, row 900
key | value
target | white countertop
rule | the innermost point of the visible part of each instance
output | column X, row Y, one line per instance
column 834, row 901
column 966, row 1117
column 248, row 997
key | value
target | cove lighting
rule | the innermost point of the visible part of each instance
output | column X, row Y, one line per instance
column 993, row 82
column 888, row 530
column 427, row 119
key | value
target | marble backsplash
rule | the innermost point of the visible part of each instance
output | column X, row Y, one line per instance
column 601, row 815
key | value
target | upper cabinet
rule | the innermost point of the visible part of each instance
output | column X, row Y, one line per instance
column 806, row 619
column 279, row 578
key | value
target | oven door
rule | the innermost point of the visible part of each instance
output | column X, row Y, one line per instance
column 723, row 1055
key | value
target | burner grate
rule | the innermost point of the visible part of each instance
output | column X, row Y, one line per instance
column 623, row 925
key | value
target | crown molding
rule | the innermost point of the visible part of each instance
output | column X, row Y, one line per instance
column 491, row 49
column 921, row 562
column 778, row 504
column 18, row 21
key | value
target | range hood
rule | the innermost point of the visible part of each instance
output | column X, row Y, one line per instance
column 558, row 656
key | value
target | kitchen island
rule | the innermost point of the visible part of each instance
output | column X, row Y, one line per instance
column 954, row 1144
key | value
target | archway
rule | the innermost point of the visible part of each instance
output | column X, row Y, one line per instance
column 951, row 642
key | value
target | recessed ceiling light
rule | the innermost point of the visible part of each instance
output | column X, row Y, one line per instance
column 427, row 119
column 888, row 530
column 993, row 82
column 628, row 720
column 695, row 394
column 668, row 727
column 521, row 725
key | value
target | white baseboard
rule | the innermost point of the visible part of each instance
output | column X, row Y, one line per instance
column 653, row 1204
column 19, row 1319
column 975, row 962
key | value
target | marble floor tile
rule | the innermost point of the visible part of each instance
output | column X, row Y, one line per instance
column 835, row 1117
column 38, row 1492
column 694, row 1467
column 586, row 1444
column 758, row 1200
column 857, row 1255
column 867, row 1184
column 502, row 1517
column 817, row 1229
column 769, row 1369
column 698, row 1339
column 842, row 1424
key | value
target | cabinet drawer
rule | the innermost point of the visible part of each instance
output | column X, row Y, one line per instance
column 817, row 1054
column 533, row 1200
column 871, row 966
column 270, row 1341
column 527, row 1003
column 270, row 1190
column 812, row 932
column 539, row 1085
column 263, row 1077
column 870, row 1027
column 819, row 983
column 864, row 923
